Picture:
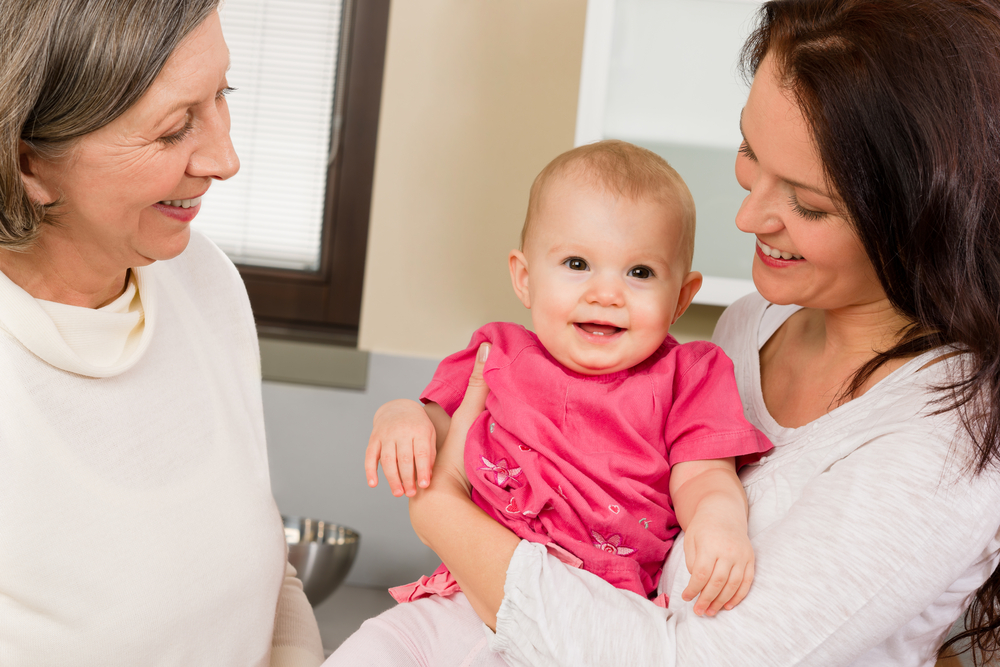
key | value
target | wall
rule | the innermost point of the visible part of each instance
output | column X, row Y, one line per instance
column 477, row 98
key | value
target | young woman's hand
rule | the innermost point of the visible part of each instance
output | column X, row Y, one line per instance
column 404, row 440
column 451, row 450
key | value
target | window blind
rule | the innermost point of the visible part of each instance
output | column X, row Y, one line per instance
column 284, row 65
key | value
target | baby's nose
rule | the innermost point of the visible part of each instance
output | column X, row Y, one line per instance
column 606, row 291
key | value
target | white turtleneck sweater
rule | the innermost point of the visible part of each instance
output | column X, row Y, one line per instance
column 137, row 525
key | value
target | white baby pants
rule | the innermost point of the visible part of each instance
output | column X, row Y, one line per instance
column 430, row 632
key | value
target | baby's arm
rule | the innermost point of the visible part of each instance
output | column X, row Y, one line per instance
column 405, row 437
column 711, row 508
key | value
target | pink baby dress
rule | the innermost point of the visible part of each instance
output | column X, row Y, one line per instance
column 582, row 462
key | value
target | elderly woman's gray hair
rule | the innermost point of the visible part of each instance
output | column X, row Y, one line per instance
column 67, row 68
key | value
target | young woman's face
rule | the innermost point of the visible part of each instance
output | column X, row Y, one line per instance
column 807, row 251
column 132, row 187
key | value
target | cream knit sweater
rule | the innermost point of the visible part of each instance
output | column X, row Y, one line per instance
column 137, row 525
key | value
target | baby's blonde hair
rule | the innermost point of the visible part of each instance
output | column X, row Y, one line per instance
column 624, row 170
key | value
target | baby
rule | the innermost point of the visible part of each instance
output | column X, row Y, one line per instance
column 602, row 436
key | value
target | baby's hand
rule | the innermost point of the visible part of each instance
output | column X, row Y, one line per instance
column 404, row 440
column 720, row 559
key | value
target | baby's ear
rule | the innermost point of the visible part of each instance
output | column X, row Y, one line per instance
column 519, row 276
column 689, row 287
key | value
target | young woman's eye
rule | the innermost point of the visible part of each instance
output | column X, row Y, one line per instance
column 576, row 264
column 177, row 137
column 747, row 152
column 641, row 272
column 806, row 213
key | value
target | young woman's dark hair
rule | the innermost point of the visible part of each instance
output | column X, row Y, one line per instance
column 903, row 98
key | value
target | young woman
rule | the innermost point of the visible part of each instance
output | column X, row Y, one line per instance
column 871, row 359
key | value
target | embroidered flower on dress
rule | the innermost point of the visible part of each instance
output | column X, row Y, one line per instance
column 612, row 545
column 503, row 475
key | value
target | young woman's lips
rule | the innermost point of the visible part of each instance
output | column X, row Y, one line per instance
column 598, row 332
column 776, row 262
column 182, row 210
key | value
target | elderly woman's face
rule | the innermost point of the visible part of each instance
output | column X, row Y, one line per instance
column 132, row 187
column 807, row 251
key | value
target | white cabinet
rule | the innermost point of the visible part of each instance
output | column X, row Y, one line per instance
column 663, row 74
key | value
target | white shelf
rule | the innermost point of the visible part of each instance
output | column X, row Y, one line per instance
column 597, row 43
column 718, row 291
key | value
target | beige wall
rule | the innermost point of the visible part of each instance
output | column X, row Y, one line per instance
column 478, row 96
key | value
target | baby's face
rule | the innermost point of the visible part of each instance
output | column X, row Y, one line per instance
column 604, row 277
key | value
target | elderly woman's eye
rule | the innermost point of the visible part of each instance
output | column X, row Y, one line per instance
column 177, row 137
column 576, row 264
column 641, row 272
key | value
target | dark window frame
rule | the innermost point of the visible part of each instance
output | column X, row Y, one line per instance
column 325, row 305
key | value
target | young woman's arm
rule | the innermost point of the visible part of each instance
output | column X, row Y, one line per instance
column 870, row 545
column 475, row 548
column 869, row 548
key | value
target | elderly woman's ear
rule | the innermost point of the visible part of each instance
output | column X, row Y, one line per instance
column 32, row 174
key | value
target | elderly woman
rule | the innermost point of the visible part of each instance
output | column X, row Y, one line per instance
column 871, row 359
column 137, row 525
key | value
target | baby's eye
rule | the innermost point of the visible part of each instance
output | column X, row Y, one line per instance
column 641, row 272
column 576, row 264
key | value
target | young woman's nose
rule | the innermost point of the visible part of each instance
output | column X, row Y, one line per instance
column 761, row 212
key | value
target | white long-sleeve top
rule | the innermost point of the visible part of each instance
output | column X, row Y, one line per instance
column 870, row 538
column 137, row 525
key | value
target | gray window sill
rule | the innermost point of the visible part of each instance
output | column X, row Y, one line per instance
column 318, row 364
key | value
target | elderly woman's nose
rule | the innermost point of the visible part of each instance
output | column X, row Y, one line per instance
column 215, row 156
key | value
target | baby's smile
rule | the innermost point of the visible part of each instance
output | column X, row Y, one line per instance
column 598, row 329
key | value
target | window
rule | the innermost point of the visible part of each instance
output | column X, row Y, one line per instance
column 305, row 118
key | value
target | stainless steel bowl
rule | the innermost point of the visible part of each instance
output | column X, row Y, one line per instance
column 321, row 552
